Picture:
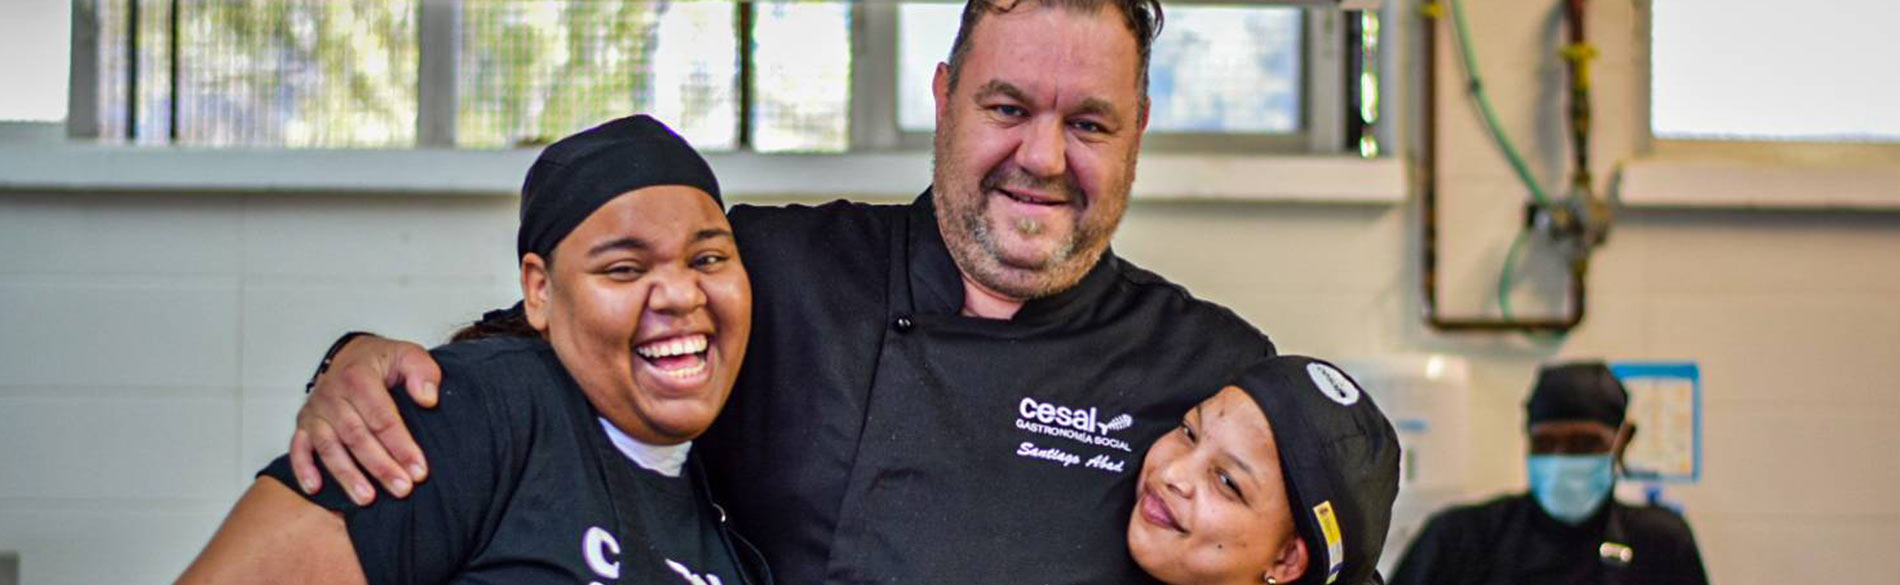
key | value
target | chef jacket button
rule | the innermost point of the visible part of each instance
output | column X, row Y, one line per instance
column 902, row 324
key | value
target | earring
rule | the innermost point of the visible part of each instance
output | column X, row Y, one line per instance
column 1271, row 581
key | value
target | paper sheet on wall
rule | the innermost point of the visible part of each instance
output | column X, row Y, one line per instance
column 1665, row 405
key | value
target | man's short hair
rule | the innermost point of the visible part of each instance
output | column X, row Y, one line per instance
column 1142, row 16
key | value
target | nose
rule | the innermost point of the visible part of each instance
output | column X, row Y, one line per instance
column 1043, row 152
column 1176, row 477
column 675, row 292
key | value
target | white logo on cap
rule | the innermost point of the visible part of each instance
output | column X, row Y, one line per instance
column 1333, row 384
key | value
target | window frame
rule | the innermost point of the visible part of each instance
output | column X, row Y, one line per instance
column 873, row 92
column 1323, row 107
column 874, row 168
column 1756, row 174
column 1760, row 150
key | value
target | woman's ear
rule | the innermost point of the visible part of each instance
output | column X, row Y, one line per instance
column 1290, row 563
column 535, row 282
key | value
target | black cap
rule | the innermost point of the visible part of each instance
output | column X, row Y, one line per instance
column 1340, row 457
column 1577, row 391
column 578, row 174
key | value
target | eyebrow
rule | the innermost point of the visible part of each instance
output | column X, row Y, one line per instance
column 619, row 244
column 630, row 243
column 1098, row 107
column 711, row 233
column 1243, row 464
column 996, row 86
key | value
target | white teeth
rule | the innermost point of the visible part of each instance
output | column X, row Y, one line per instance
column 676, row 346
column 686, row 373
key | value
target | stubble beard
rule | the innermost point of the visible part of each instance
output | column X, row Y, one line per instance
column 975, row 246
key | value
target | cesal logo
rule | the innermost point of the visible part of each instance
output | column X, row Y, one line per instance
column 691, row 577
column 597, row 545
column 1082, row 425
column 600, row 547
column 1333, row 384
column 1086, row 420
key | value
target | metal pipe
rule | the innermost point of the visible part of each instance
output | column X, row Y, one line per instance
column 1353, row 48
column 747, row 16
column 171, row 124
column 1578, row 53
column 132, row 71
column 1428, row 167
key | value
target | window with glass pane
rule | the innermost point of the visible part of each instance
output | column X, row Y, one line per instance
column 1774, row 71
column 344, row 73
column 1214, row 69
column 801, row 58
column 36, row 77
column 532, row 71
column 1226, row 70
column 294, row 73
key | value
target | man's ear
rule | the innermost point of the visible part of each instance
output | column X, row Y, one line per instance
column 535, row 283
column 1141, row 114
column 1290, row 563
column 1623, row 437
column 940, row 90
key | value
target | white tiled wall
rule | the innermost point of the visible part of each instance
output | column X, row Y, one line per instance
column 153, row 350
column 153, row 347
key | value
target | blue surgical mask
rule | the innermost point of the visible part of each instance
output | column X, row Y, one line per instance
column 1570, row 487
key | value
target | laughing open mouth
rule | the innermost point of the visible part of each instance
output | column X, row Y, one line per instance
column 681, row 358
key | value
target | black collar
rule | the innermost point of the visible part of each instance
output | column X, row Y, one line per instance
column 937, row 285
column 1595, row 527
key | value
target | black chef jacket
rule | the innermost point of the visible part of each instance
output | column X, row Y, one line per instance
column 1511, row 541
column 526, row 487
column 876, row 436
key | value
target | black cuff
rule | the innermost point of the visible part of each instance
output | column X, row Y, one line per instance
column 324, row 366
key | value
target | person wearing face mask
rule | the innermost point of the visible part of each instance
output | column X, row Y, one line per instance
column 1568, row 528
column 566, row 456
column 1286, row 476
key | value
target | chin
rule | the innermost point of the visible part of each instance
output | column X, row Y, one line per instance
column 1028, row 258
column 683, row 422
column 1148, row 554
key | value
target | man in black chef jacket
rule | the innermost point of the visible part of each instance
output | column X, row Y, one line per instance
column 1569, row 528
column 957, row 390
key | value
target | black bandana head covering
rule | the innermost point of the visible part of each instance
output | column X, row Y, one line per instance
column 1577, row 391
column 580, row 173
column 1340, row 459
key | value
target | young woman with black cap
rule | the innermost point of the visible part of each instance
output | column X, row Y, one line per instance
column 564, row 455
column 1285, row 476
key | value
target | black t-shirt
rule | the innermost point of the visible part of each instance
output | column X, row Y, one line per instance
column 526, row 487
column 1510, row 540
column 876, row 436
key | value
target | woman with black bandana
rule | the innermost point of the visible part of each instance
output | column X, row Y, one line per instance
column 563, row 453
column 1286, row 476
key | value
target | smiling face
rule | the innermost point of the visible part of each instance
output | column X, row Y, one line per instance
column 1035, row 146
column 1212, row 505
column 649, row 308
